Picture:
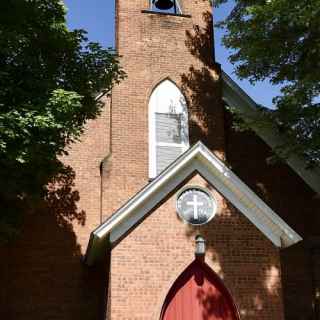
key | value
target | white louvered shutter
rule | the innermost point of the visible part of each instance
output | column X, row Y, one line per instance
column 168, row 139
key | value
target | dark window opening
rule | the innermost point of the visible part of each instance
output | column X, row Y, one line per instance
column 165, row 6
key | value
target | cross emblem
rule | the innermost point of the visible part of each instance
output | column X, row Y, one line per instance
column 195, row 205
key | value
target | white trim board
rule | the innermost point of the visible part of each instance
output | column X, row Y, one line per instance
column 197, row 159
column 236, row 98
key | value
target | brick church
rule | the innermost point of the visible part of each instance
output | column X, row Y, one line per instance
column 170, row 214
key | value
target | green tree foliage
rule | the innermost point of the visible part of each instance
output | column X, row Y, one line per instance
column 279, row 40
column 49, row 78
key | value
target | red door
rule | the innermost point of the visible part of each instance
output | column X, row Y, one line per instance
column 199, row 294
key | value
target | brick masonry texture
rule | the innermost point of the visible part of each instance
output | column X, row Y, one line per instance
column 162, row 246
column 146, row 263
column 153, row 47
column 287, row 195
column 42, row 276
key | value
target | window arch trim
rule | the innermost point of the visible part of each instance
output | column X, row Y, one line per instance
column 176, row 106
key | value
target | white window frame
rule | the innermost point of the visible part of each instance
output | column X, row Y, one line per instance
column 153, row 109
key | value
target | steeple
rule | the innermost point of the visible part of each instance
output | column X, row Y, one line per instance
column 166, row 50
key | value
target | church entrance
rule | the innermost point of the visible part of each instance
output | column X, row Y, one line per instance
column 199, row 294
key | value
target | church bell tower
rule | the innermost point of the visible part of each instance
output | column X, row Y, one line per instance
column 165, row 183
column 171, row 97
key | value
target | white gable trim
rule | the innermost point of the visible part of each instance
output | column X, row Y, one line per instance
column 236, row 98
column 197, row 159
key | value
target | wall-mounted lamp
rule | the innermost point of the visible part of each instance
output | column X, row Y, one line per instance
column 200, row 247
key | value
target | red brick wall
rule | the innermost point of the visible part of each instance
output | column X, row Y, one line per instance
column 42, row 276
column 154, row 47
column 316, row 277
column 297, row 282
column 148, row 261
column 286, row 193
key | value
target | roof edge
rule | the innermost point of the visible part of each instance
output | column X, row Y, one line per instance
column 201, row 160
column 245, row 106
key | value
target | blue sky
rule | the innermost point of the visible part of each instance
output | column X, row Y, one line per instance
column 97, row 17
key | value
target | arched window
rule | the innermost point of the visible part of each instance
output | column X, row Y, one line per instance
column 168, row 126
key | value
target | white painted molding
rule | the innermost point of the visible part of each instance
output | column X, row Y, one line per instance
column 197, row 159
column 236, row 98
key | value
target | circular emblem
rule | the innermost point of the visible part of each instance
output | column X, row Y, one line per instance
column 196, row 205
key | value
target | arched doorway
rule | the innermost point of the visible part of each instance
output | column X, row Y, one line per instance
column 199, row 294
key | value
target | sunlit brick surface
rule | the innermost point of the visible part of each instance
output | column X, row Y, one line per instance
column 42, row 276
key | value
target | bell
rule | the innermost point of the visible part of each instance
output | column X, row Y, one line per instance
column 163, row 4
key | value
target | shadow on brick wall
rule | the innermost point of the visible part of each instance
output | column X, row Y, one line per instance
column 286, row 193
column 246, row 261
column 202, row 88
column 237, row 260
column 246, row 154
column 42, row 274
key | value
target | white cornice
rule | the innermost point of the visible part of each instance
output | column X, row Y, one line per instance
column 200, row 160
column 236, row 98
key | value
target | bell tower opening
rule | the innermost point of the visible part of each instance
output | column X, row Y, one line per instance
column 166, row 6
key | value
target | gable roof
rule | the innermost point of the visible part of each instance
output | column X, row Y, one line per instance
column 197, row 159
column 246, row 108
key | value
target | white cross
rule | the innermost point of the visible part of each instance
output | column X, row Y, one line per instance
column 195, row 205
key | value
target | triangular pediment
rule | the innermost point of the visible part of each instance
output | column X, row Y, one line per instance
column 201, row 160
